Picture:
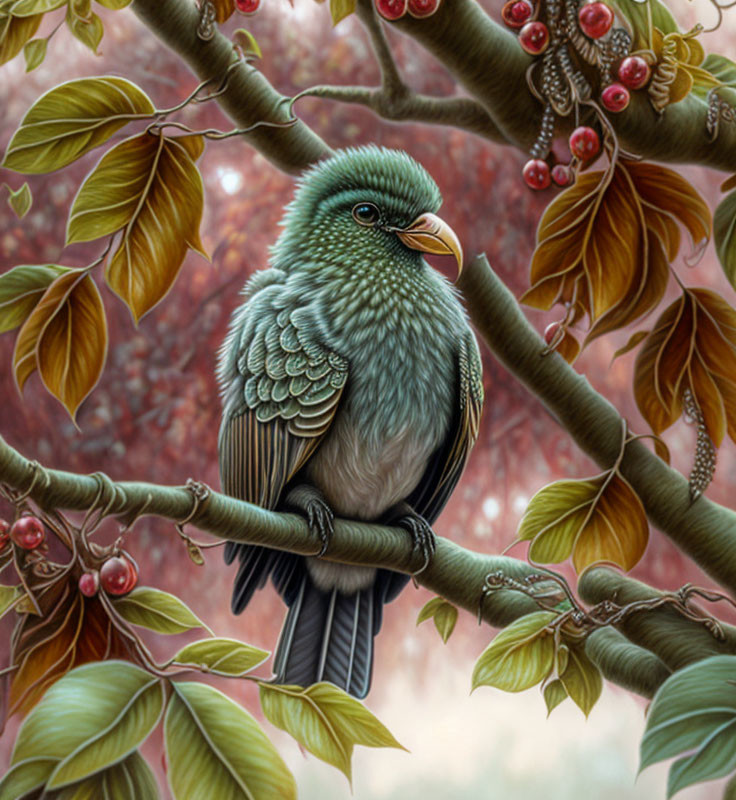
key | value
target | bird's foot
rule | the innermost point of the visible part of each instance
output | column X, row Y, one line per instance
column 310, row 502
column 422, row 535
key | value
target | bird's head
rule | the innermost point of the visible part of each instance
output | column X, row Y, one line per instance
column 364, row 204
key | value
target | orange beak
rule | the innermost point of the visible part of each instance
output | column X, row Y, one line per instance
column 430, row 234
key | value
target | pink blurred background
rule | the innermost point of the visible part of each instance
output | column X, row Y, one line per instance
column 155, row 414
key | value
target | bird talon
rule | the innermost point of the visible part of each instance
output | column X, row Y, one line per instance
column 423, row 538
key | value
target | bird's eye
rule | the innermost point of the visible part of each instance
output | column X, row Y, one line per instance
column 366, row 214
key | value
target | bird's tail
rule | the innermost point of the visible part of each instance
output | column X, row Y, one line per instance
column 328, row 636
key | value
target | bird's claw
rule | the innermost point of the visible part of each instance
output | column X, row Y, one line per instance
column 422, row 536
column 321, row 522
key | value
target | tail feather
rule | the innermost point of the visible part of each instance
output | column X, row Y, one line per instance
column 327, row 636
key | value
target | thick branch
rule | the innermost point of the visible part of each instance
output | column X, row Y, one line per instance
column 703, row 529
column 249, row 98
column 454, row 572
column 488, row 62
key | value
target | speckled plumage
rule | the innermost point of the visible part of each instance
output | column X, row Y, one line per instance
column 351, row 367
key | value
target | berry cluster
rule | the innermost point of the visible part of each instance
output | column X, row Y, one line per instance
column 564, row 34
column 395, row 9
column 117, row 575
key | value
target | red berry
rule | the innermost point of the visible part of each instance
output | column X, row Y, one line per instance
column 536, row 173
column 615, row 97
column 551, row 331
column 516, row 12
column 423, row 8
column 4, row 534
column 634, row 72
column 118, row 575
column 391, row 9
column 534, row 37
column 562, row 175
column 247, row 6
column 89, row 583
column 28, row 532
column 595, row 19
column 584, row 143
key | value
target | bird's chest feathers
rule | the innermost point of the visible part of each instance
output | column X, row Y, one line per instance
column 396, row 407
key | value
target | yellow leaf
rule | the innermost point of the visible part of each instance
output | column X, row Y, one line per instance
column 15, row 31
column 681, row 86
column 27, row 8
column 71, row 119
column 596, row 519
column 88, row 29
column 339, row 9
column 224, row 9
column 520, row 656
column 554, row 694
column 325, row 720
column 581, row 679
column 21, row 288
column 444, row 615
column 65, row 338
column 20, row 200
column 148, row 187
column 34, row 53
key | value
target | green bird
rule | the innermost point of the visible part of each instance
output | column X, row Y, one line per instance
column 351, row 386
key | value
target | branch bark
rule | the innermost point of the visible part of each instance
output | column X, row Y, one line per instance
column 489, row 63
column 249, row 98
column 703, row 529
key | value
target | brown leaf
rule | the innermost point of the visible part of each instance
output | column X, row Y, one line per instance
column 569, row 347
column 692, row 346
column 634, row 340
column 65, row 338
column 224, row 9
column 73, row 630
column 148, row 187
column 666, row 195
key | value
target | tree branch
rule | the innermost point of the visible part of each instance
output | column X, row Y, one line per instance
column 249, row 97
column 488, row 62
column 396, row 102
column 703, row 529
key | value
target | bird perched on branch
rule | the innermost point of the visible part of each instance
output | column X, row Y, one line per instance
column 352, row 386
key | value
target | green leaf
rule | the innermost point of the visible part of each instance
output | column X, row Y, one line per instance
column 635, row 12
column 520, row 656
column 71, row 119
column 216, row 749
column 25, row 776
column 89, row 30
column 247, row 43
column 444, row 614
column 8, row 596
column 721, row 68
column 93, row 717
column 115, row 5
column 724, row 235
column 156, row 610
column 26, row 8
column 225, row 656
column 325, row 720
column 34, row 53
column 20, row 200
column 581, row 679
column 130, row 779
column 14, row 33
column 20, row 290
column 729, row 793
column 339, row 9
column 150, row 187
column 694, row 712
column 554, row 694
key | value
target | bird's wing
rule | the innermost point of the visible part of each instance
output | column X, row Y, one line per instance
column 447, row 463
column 282, row 392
